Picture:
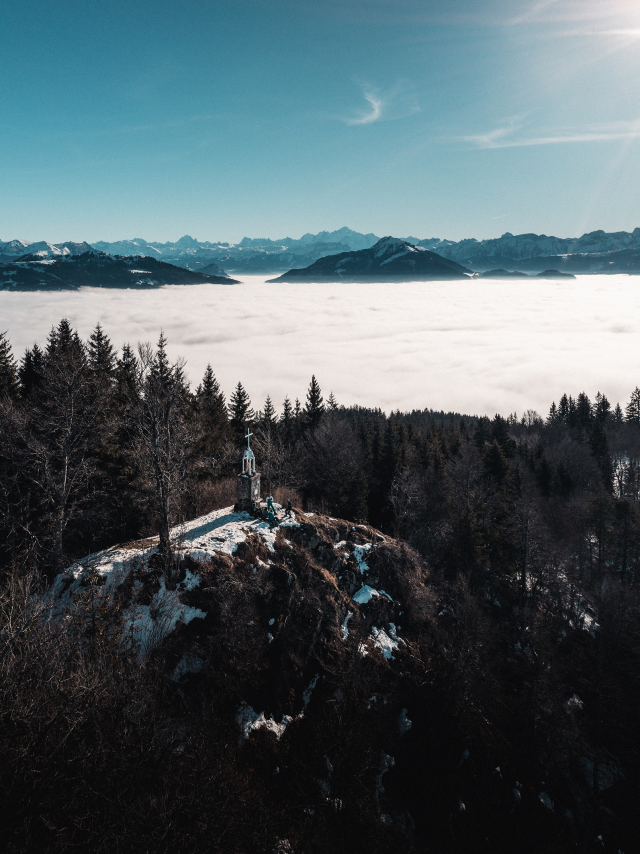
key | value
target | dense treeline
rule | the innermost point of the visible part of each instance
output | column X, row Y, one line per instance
column 530, row 528
column 98, row 447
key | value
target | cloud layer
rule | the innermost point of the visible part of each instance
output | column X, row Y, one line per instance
column 476, row 346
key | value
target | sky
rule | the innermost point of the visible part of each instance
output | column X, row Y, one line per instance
column 477, row 347
column 464, row 118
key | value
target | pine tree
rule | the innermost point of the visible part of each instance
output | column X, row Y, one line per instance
column 62, row 342
column 268, row 418
column 600, row 450
column 332, row 403
column 500, row 432
column 618, row 416
column 240, row 412
column 563, row 409
column 8, row 370
column 314, row 408
column 161, row 368
column 583, row 411
column 554, row 415
column 211, row 410
column 632, row 410
column 210, row 397
column 495, row 462
column 602, row 408
column 126, row 373
column 30, row 371
column 287, row 421
column 481, row 434
column 69, row 423
column 100, row 353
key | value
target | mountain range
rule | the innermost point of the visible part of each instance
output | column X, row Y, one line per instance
column 252, row 255
column 595, row 252
column 389, row 258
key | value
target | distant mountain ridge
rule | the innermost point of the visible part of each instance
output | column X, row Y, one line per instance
column 390, row 259
column 510, row 250
column 14, row 249
column 590, row 253
column 252, row 255
column 594, row 252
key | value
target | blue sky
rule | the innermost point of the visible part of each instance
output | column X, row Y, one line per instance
column 449, row 119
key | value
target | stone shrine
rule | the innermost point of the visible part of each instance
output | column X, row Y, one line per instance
column 248, row 482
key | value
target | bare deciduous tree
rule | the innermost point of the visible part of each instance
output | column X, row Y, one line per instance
column 164, row 439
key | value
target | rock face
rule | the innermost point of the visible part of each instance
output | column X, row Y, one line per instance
column 96, row 269
column 390, row 259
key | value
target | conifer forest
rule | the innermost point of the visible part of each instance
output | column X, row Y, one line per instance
column 514, row 543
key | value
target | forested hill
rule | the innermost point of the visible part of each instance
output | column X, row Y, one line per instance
column 436, row 652
column 95, row 269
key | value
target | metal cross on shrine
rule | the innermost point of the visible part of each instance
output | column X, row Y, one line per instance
column 248, row 458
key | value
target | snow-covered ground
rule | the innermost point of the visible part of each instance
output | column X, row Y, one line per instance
column 154, row 610
column 479, row 346
column 147, row 625
column 219, row 532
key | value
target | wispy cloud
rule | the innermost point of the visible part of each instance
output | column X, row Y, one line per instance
column 372, row 114
column 508, row 136
column 396, row 103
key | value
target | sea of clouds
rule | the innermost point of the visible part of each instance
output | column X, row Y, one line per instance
column 478, row 346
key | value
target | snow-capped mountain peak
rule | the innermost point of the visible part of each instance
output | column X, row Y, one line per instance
column 393, row 247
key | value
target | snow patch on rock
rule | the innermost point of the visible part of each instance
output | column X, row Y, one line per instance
column 366, row 594
column 385, row 644
column 344, row 627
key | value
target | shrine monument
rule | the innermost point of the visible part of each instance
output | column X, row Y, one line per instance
column 248, row 482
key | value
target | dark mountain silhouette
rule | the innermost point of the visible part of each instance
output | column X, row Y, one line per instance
column 503, row 274
column 619, row 261
column 595, row 252
column 96, row 269
column 389, row 259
